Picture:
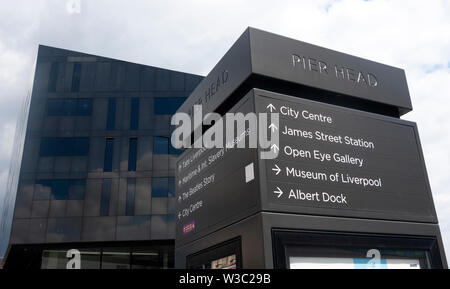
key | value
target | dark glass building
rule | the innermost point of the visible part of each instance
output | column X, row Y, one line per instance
column 97, row 170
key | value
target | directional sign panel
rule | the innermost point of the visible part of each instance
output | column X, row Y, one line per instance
column 219, row 186
column 332, row 161
column 342, row 162
column 216, row 187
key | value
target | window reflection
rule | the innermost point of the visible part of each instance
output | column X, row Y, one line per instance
column 90, row 259
column 42, row 190
column 69, row 146
column 145, row 260
column 140, row 257
column 134, row 117
column 60, row 189
column 69, row 107
column 76, row 77
column 162, row 145
column 56, row 259
column 76, row 189
column 105, row 197
column 111, row 119
column 53, row 77
column 131, row 189
column 116, row 258
column 132, row 154
column 160, row 187
column 168, row 105
column 109, row 150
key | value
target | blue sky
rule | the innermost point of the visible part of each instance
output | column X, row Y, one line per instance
column 192, row 36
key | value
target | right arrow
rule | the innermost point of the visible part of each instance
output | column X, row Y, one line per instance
column 271, row 107
column 277, row 170
column 279, row 192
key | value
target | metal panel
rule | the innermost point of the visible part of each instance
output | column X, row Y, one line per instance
column 342, row 162
column 212, row 189
column 282, row 59
column 296, row 61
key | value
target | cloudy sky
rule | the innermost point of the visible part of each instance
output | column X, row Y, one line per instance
column 192, row 35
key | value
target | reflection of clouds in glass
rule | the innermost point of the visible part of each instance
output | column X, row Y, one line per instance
column 73, row 6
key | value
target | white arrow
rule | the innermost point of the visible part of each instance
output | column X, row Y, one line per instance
column 279, row 192
column 273, row 127
column 275, row 148
column 271, row 107
column 277, row 170
column 179, row 199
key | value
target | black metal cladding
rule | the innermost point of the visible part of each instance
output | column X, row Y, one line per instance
column 259, row 59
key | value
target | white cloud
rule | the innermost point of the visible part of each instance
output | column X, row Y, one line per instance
column 430, row 93
column 73, row 6
column 3, row 181
column 11, row 64
column 193, row 35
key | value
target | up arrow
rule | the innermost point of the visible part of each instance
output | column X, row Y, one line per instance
column 271, row 107
column 273, row 127
column 275, row 148
column 277, row 170
column 279, row 192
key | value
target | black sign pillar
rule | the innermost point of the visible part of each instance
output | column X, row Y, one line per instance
column 349, row 187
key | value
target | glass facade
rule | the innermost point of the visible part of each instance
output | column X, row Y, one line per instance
column 105, row 198
column 162, row 145
column 64, row 146
column 111, row 118
column 131, row 192
column 53, row 77
column 168, row 105
column 163, row 187
column 76, row 76
column 59, row 189
column 97, row 162
column 132, row 154
column 67, row 107
column 109, row 150
column 134, row 116
column 127, row 257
